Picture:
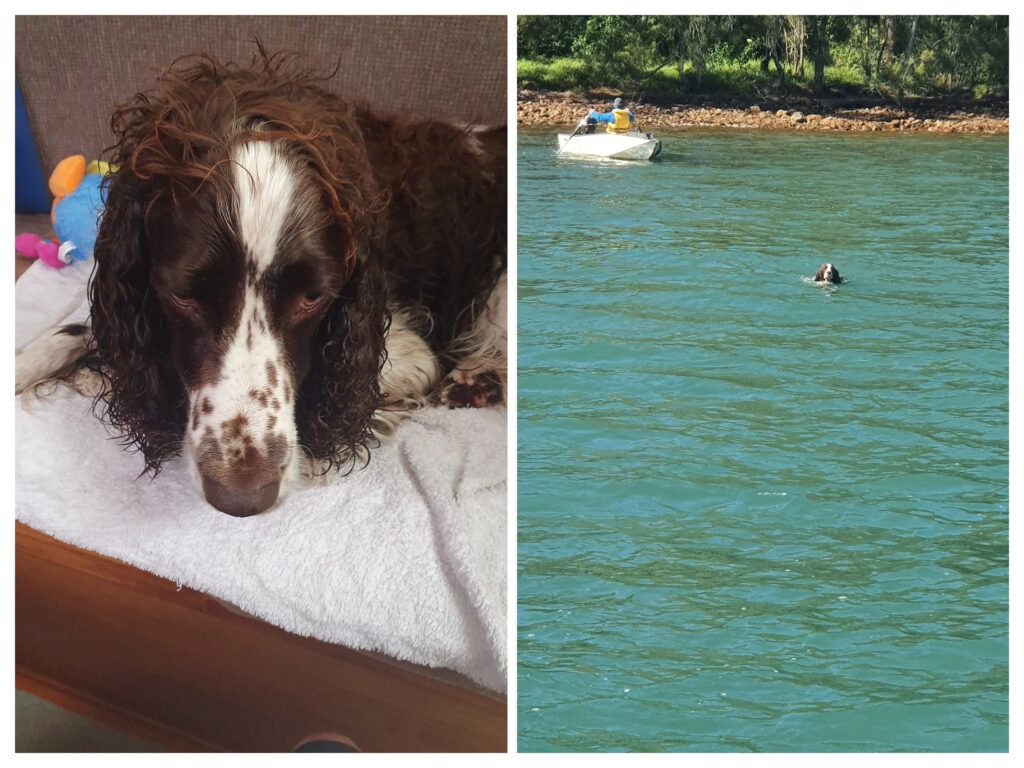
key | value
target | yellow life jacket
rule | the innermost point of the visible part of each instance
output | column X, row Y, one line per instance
column 621, row 124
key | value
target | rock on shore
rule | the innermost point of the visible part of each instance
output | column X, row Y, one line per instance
column 564, row 109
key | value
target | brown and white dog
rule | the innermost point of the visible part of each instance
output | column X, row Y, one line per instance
column 827, row 273
column 280, row 275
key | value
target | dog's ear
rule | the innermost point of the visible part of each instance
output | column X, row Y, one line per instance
column 142, row 396
column 340, row 393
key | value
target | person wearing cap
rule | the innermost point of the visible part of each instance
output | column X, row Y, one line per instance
column 619, row 120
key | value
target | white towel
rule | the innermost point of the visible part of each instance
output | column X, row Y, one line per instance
column 405, row 557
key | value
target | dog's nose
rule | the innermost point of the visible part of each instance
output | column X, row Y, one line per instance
column 240, row 502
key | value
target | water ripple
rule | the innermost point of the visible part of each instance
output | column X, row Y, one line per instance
column 755, row 514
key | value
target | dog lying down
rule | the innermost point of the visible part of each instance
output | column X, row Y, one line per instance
column 281, row 276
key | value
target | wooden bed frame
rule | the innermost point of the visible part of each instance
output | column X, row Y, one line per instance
column 179, row 668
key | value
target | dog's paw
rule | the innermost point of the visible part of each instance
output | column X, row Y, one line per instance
column 471, row 389
column 88, row 383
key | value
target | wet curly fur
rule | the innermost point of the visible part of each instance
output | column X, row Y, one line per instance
column 414, row 213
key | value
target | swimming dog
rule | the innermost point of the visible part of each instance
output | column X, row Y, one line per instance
column 827, row 273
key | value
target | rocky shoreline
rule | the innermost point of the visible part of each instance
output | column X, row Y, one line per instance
column 563, row 109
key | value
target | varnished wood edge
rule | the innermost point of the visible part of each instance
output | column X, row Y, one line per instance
column 108, row 714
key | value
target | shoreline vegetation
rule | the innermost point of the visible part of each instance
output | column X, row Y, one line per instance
column 935, row 74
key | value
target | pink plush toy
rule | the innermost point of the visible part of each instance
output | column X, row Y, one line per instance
column 32, row 246
column 78, row 196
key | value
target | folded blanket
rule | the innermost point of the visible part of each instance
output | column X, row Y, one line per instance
column 405, row 557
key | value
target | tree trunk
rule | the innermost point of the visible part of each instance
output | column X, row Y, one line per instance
column 799, row 41
column 907, row 60
column 865, row 55
column 819, row 52
column 819, row 77
column 884, row 44
column 775, row 32
column 780, row 72
column 680, row 46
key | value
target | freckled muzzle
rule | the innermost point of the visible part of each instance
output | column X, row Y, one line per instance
column 242, row 479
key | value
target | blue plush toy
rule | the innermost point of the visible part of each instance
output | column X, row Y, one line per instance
column 76, row 219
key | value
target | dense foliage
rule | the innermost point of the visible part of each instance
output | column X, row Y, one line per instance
column 887, row 55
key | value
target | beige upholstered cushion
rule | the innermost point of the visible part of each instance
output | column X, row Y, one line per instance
column 72, row 70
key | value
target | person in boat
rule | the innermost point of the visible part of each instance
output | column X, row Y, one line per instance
column 619, row 120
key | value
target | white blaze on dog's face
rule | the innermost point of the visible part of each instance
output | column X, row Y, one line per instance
column 827, row 273
column 264, row 249
column 250, row 289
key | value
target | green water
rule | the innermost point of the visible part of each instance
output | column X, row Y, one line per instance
column 754, row 513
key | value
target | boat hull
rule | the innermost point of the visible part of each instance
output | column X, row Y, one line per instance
column 628, row 146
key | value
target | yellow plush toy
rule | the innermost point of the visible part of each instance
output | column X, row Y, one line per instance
column 69, row 174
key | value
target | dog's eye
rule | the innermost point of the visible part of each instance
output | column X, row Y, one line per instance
column 185, row 303
column 310, row 301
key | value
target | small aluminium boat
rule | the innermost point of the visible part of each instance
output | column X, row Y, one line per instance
column 619, row 146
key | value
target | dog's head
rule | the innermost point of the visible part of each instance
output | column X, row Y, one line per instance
column 827, row 273
column 236, row 310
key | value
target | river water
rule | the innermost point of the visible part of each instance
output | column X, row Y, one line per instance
column 755, row 513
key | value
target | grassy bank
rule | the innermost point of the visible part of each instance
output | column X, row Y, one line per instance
column 722, row 76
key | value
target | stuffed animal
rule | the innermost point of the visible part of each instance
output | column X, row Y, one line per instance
column 76, row 218
column 78, row 202
column 32, row 246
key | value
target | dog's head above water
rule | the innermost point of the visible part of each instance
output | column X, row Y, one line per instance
column 827, row 273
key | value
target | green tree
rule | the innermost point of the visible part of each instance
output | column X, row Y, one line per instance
column 547, row 37
column 959, row 53
column 889, row 55
column 688, row 40
column 824, row 32
column 624, row 49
